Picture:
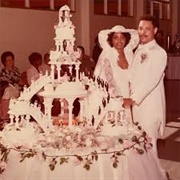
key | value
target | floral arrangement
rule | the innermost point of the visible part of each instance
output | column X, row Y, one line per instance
column 78, row 145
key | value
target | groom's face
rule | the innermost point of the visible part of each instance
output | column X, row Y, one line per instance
column 146, row 31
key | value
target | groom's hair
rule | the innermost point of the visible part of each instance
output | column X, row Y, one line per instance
column 153, row 19
column 125, row 34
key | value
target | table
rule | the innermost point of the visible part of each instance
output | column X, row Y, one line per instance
column 173, row 67
column 131, row 166
column 77, row 153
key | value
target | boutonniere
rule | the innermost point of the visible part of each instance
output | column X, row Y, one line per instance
column 143, row 57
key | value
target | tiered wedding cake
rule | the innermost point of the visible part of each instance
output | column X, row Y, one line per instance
column 65, row 86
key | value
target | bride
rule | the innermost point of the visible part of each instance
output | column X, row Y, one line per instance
column 115, row 61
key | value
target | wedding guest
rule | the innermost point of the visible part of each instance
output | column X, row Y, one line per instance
column 87, row 65
column 33, row 72
column 147, row 86
column 10, row 79
column 9, row 72
column 3, row 102
column 159, row 37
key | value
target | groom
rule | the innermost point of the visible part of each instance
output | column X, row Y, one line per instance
column 146, row 84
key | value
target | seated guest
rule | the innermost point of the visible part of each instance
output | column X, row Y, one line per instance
column 3, row 103
column 33, row 73
column 9, row 79
column 35, row 59
column 87, row 64
column 9, row 72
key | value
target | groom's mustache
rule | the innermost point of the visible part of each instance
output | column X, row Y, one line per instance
column 143, row 36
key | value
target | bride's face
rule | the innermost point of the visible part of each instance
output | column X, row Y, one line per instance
column 118, row 40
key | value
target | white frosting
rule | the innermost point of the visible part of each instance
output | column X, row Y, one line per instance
column 19, row 135
column 75, row 88
column 110, row 130
column 116, row 104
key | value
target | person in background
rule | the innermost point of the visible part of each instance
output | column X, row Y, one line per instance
column 35, row 59
column 33, row 73
column 159, row 37
column 10, row 79
column 9, row 72
column 3, row 104
column 147, row 96
column 87, row 65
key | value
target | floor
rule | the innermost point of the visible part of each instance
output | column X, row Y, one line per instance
column 169, row 144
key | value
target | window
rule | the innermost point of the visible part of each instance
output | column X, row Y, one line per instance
column 114, row 7
column 58, row 4
column 158, row 8
column 99, row 6
column 13, row 3
column 38, row 4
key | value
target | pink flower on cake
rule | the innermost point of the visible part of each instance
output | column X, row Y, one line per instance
column 104, row 145
column 127, row 144
column 148, row 141
column 113, row 159
column 144, row 57
column 76, row 161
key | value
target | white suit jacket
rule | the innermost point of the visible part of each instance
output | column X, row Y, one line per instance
column 147, row 87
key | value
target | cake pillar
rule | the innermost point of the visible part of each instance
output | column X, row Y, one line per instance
column 17, row 122
column 70, row 107
column 81, row 109
column 77, row 72
column 70, row 70
column 58, row 72
column 11, row 119
column 52, row 71
column 48, row 106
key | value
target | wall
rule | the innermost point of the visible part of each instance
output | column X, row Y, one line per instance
column 25, row 31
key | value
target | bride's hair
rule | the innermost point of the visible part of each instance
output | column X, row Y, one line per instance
column 125, row 34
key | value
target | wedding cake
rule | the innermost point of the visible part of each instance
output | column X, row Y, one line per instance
column 63, row 84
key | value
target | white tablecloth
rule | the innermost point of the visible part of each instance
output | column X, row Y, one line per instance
column 132, row 166
column 173, row 67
